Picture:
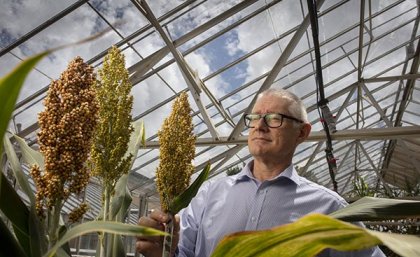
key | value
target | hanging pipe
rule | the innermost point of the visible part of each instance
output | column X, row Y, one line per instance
column 327, row 119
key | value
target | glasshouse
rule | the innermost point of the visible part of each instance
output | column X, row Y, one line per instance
column 210, row 128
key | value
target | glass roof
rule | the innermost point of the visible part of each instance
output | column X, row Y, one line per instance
column 369, row 53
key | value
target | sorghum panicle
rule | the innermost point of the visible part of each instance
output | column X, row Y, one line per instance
column 113, row 132
column 66, row 129
column 177, row 150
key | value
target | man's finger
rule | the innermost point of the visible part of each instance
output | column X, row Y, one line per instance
column 148, row 248
column 159, row 216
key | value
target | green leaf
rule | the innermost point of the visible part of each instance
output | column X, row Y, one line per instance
column 184, row 199
column 370, row 208
column 16, row 211
column 9, row 245
column 20, row 176
column 37, row 238
column 65, row 249
column 30, row 156
column 12, row 206
column 10, row 203
column 103, row 226
column 306, row 237
column 28, row 229
column 10, row 86
column 35, row 243
column 404, row 245
column 121, row 201
column 137, row 139
column 117, row 249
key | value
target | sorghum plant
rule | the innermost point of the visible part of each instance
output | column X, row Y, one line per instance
column 66, row 126
column 113, row 132
column 177, row 150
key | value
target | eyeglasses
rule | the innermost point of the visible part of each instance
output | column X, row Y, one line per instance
column 272, row 120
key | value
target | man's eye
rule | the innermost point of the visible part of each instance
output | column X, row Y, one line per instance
column 273, row 117
column 254, row 117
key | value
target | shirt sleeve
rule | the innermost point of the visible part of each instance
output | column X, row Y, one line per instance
column 190, row 219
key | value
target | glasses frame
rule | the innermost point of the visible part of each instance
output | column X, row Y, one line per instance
column 263, row 116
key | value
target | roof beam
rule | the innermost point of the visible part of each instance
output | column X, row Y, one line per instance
column 278, row 66
column 191, row 79
column 349, row 134
column 41, row 27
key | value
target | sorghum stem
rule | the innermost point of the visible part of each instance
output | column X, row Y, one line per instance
column 167, row 240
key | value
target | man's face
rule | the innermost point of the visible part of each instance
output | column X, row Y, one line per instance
column 274, row 144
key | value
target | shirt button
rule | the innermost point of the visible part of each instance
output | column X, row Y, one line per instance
column 253, row 219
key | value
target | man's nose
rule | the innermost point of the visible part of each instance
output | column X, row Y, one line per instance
column 261, row 125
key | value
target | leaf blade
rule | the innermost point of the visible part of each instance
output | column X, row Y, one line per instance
column 404, row 245
column 17, row 169
column 15, row 210
column 10, row 86
column 371, row 208
column 103, row 226
column 184, row 199
column 306, row 237
column 30, row 156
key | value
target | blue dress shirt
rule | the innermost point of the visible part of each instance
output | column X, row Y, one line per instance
column 241, row 202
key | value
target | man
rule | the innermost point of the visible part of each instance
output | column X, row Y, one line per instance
column 268, row 192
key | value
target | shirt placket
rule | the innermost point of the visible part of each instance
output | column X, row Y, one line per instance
column 256, row 208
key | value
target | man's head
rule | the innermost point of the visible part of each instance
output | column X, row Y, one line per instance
column 274, row 137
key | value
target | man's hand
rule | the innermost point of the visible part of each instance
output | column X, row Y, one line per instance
column 151, row 246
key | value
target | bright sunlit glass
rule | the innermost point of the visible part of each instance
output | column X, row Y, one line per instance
column 272, row 120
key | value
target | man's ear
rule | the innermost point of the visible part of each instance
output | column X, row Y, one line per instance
column 304, row 132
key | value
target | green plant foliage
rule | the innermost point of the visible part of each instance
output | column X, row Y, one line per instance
column 24, row 222
column 8, row 239
column 10, row 86
column 185, row 198
column 103, row 226
column 116, row 145
column 15, row 210
column 314, row 232
column 121, row 200
column 34, row 241
column 361, row 188
column 404, row 245
column 28, row 237
column 17, row 169
column 30, row 156
column 306, row 237
column 370, row 208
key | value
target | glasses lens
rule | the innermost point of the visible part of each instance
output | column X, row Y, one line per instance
column 251, row 120
column 273, row 120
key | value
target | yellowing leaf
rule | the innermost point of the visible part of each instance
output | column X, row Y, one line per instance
column 306, row 237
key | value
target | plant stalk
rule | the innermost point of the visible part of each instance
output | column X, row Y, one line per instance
column 167, row 240
column 104, row 241
column 53, row 220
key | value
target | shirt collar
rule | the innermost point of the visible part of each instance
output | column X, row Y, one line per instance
column 289, row 173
